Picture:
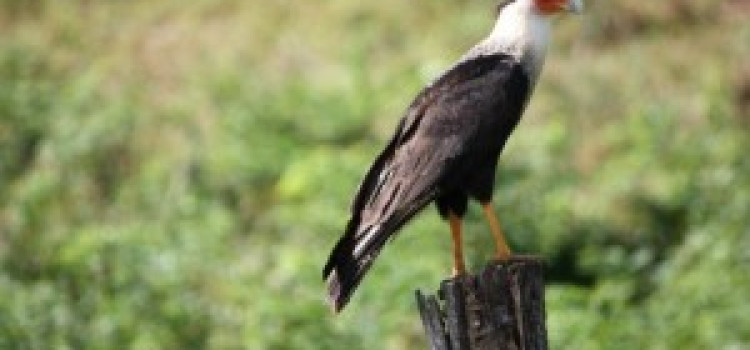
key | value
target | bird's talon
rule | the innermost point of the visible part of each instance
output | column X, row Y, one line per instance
column 503, row 256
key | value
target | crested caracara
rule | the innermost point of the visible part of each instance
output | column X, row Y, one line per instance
column 447, row 144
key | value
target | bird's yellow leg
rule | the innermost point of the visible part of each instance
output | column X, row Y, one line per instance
column 503, row 252
column 458, row 251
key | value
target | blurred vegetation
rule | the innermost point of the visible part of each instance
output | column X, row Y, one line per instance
column 173, row 174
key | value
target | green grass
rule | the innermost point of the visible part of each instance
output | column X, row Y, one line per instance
column 173, row 175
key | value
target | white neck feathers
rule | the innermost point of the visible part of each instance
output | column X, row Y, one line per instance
column 520, row 31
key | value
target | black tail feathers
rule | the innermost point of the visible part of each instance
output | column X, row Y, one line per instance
column 360, row 245
column 349, row 261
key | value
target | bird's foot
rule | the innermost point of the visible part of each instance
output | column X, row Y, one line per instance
column 503, row 255
column 458, row 270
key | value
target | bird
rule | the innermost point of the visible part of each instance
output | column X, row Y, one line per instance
column 447, row 144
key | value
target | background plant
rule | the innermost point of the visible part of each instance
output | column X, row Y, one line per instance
column 173, row 175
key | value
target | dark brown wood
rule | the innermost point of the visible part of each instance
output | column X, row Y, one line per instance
column 429, row 310
column 502, row 307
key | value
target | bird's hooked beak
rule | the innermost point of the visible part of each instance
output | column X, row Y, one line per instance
column 574, row 6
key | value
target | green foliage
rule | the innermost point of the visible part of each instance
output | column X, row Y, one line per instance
column 173, row 175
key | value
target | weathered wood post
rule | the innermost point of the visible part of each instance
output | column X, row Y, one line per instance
column 500, row 308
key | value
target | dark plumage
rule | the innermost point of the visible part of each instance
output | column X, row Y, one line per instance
column 446, row 146
column 445, row 149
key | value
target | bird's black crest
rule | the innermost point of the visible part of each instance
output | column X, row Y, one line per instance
column 500, row 6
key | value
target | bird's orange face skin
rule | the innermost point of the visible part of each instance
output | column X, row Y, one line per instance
column 549, row 7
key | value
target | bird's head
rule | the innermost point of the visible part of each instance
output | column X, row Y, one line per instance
column 551, row 7
column 522, row 30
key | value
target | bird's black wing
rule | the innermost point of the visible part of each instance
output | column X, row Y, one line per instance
column 439, row 128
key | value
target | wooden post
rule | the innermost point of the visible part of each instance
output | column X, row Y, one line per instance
column 500, row 308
